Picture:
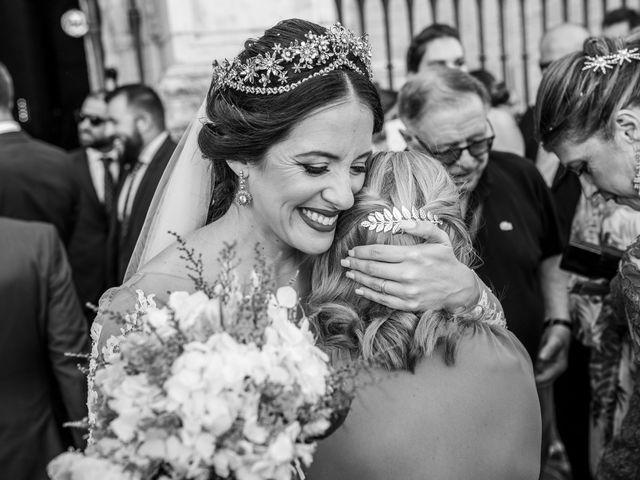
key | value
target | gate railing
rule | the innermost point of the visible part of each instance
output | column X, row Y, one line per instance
column 501, row 36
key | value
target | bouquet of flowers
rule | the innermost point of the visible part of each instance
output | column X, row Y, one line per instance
column 217, row 384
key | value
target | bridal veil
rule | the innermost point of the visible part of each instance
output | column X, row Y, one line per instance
column 182, row 198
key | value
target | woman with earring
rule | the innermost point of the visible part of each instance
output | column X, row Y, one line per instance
column 452, row 396
column 286, row 138
column 588, row 114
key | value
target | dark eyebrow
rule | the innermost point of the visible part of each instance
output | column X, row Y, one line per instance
column 330, row 156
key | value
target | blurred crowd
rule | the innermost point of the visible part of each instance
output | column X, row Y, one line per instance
column 528, row 218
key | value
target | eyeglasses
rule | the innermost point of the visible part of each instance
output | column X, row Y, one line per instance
column 94, row 120
column 451, row 155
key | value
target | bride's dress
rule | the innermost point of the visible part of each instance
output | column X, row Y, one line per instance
column 122, row 300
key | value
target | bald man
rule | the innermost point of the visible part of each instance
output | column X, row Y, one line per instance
column 555, row 44
column 560, row 41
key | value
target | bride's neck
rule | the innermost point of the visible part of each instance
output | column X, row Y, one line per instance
column 251, row 237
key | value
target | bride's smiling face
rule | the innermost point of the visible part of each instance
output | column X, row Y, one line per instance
column 306, row 180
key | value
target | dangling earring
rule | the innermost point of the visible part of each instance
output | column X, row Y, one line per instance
column 243, row 197
column 636, row 179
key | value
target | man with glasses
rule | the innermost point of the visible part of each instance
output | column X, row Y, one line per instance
column 508, row 210
column 96, row 167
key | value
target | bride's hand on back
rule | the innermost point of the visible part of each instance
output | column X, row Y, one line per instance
column 414, row 278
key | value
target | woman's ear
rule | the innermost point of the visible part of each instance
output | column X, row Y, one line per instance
column 143, row 122
column 628, row 125
column 238, row 166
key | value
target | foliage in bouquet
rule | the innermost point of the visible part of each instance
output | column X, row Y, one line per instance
column 222, row 383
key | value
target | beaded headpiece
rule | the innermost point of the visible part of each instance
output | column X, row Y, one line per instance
column 602, row 63
column 266, row 74
column 389, row 220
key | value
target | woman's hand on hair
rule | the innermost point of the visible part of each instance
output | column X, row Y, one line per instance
column 413, row 278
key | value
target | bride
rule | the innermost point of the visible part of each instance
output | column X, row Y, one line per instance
column 281, row 153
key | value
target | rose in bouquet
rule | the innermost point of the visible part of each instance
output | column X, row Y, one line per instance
column 219, row 383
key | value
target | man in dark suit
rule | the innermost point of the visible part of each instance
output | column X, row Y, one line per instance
column 97, row 169
column 40, row 386
column 136, row 123
column 36, row 179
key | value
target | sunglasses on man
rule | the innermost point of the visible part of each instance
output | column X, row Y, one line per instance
column 94, row 120
column 449, row 156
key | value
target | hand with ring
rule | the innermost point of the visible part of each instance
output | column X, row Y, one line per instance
column 413, row 278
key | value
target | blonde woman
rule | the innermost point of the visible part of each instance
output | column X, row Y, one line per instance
column 454, row 395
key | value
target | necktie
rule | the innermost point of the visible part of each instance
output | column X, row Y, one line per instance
column 111, row 209
column 128, row 199
column 109, row 186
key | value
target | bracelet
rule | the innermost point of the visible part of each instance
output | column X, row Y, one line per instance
column 550, row 322
column 483, row 310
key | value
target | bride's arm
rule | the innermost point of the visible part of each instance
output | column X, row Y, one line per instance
column 419, row 277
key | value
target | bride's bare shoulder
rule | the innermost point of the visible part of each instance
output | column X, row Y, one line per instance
column 174, row 260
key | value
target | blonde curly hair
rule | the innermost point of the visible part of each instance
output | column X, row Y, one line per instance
column 348, row 322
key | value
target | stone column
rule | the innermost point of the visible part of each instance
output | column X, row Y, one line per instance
column 181, row 38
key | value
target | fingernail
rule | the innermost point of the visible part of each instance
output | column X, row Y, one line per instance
column 345, row 262
column 351, row 252
column 359, row 291
column 405, row 224
column 350, row 275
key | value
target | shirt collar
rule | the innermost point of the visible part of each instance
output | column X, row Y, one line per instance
column 9, row 126
column 97, row 155
column 148, row 152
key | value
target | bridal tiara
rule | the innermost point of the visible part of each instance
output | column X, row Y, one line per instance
column 389, row 220
column 602, row 63
column 267, row 74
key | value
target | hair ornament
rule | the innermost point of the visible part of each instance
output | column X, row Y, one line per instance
column 389, row 220
column 602, row 63
column 267, row 74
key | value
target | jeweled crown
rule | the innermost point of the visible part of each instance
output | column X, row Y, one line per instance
column 602, row 63
column 267, row 74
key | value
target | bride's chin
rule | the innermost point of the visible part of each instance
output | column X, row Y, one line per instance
column 316, row 246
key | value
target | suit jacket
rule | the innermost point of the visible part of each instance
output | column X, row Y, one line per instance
column 37, row 183
column 88, row 247
column 141, row 202
column 40, row 387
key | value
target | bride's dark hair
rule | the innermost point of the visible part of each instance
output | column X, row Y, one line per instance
column 348, row 322
column 243, row 126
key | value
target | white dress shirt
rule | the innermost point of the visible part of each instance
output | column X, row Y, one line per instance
column 9, row 126
column 132, row 182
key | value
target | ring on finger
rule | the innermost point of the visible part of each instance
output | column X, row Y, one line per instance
column 382, row 287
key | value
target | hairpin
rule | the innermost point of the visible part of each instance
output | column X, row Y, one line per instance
column 389, row 220
column 320, row 54
column 602, row 63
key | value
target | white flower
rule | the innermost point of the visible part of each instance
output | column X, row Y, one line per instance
column 111, row 349
column 75, row 466
column 287, row 297
column 255, row 433
column 187, row 306
column 316, row 428
column 159, row 320
column 281, row 450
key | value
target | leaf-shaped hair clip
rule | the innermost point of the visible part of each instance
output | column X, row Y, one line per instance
column 389, row 220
